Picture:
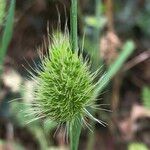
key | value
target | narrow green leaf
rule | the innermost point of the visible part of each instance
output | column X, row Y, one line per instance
column 2, row 10
column 127, row 50
column 7, row 35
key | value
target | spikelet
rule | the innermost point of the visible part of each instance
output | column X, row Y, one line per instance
column 65, row 85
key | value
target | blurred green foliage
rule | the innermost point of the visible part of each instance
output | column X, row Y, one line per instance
column 2, row 10
column 14, row 145
column 137, row 146
column 143, row 18
column 7, row 34
column 20, row 113
column 146, row 97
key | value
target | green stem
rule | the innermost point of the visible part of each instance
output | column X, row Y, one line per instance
column 75, row 126
column 73, row 24
column 98, row 14
column 75, row 130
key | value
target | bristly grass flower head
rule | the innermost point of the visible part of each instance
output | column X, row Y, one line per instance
column 65, row 85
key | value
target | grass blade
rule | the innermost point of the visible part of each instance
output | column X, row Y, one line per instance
column 127, row 50
column 7, row 34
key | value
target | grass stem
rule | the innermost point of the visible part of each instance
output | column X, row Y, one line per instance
column 75, row 127
column 73, row 24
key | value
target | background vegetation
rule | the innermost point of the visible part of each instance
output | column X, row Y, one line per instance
column 116, row 37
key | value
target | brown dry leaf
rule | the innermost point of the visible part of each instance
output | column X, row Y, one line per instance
column 108, row 47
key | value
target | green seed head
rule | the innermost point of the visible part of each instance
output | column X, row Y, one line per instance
column 65, row 85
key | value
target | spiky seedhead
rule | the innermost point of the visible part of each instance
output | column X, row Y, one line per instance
column 65, row 85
